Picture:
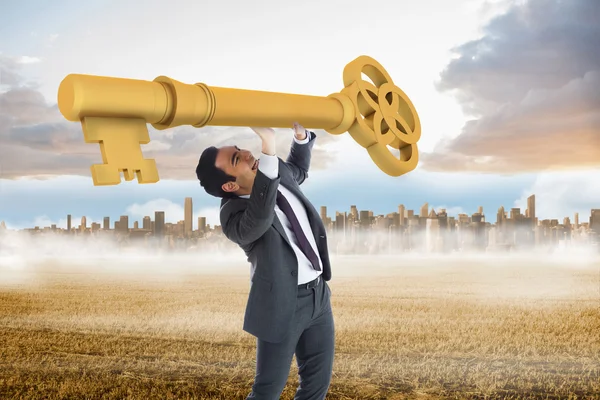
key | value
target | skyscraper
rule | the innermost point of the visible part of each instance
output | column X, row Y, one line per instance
column 595, row 220
column 401, row 213
column 424, row 213
column 159, row 223
column 187, row 219
column 124, row 224
column 365, row 219
column 531, row 208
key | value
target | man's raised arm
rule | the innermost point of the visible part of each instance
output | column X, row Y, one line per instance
column 300, row 153
column 246, row 225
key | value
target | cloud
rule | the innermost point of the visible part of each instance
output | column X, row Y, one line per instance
column 532, row 83
column 9, row 75
column 35, row 139
column 28, row 60
column 562, row 194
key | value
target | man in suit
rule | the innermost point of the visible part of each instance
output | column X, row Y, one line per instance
column 264, row 211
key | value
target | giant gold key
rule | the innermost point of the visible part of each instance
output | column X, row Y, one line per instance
column 114, row 112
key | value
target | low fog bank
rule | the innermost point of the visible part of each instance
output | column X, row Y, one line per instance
column 37, row 261
column 18, row 249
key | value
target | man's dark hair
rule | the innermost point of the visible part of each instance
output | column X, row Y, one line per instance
column 212, row 178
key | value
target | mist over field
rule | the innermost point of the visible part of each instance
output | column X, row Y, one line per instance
column 26, row 259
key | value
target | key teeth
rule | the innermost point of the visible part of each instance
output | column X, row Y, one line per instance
column 107, row 175
column 120, row 142
column 149, row 172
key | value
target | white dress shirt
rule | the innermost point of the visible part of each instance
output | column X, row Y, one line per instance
column 269, row 165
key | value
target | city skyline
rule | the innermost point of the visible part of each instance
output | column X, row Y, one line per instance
column 425, row 211
column 359, row 231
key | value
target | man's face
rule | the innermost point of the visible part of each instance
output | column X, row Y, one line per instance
column 238, row 163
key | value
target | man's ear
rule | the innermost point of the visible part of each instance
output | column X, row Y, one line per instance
column 230, row 186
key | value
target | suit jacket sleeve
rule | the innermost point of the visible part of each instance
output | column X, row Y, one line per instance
column 298, row 161
column 244, row 223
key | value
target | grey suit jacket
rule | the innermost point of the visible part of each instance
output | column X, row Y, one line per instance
column 254, row 226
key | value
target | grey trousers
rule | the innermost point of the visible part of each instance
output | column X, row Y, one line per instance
column 311, row 339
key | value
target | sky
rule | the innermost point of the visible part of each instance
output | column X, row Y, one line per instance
column 507, row 92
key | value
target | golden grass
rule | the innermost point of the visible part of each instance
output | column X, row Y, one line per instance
column 410, row 328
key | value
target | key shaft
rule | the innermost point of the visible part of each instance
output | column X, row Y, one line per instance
column 377, row 114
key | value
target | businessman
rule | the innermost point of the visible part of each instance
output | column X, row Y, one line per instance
column 264, row 211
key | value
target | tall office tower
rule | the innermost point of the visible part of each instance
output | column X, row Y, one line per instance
column 339, row 221
column 500, row 217
column 147, row 223
column 401, row 214
column 410, row 214
column 500, row 221
column 136, row 225
column 531, row 208
column 69, row 222
column 83, row 225
column 3, row 225
column 106, row 223
column 515, row 213
column 595, row 220
column 202, row 224
column 576, row 220
column 365, row 219
column 345, row 222
column 354, row 212
column 188, row 215
column 159, row 223
column 442, row 217
column 124, row 224
column 424, row 211
column 324, row 214
column 480, row 210
column 432, row 232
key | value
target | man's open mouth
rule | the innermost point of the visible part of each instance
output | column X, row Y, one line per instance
column 255, row 165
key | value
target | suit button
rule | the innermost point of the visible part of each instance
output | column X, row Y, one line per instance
column 262, row 194
column 293, row 273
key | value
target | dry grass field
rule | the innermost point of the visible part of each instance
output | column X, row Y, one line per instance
column 468, row 327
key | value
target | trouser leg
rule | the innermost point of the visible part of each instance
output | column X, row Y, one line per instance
column 273, row 361
column 315, row 351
